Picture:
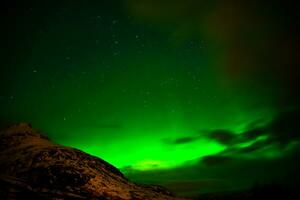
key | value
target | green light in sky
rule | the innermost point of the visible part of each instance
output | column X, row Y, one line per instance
column 251, row 142
column 124, row 82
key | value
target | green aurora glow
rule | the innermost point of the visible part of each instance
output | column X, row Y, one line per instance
column 141, row 94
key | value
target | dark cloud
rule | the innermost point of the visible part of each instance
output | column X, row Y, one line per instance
column 224, row 173
column 256, row 123
column 222, row 136
column 181, row 140
column 285, row 127
column 259, row 145
column 253, row 133
column 184, row 140
column 283, row 130
column 215, row 160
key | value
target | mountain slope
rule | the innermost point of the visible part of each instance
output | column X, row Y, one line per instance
column 34, row 167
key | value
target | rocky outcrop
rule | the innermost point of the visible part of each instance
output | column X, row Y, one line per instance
column 31, row 166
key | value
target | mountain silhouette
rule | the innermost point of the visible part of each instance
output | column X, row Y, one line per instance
column 31, row 166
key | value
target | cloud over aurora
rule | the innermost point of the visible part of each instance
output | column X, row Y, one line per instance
column 272, row 147
column 192, row 93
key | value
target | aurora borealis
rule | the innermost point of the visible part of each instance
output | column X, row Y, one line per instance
column 194, row 95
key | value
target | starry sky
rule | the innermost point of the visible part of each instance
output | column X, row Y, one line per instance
column 198, row 96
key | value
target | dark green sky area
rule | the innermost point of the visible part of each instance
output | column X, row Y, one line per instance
column 194, row 95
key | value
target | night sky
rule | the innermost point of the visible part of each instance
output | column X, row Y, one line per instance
column 194, row 95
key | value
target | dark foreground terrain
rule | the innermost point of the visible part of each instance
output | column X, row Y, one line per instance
column 32, row 167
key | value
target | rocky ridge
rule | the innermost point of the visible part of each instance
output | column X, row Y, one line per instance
column 32, row 166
